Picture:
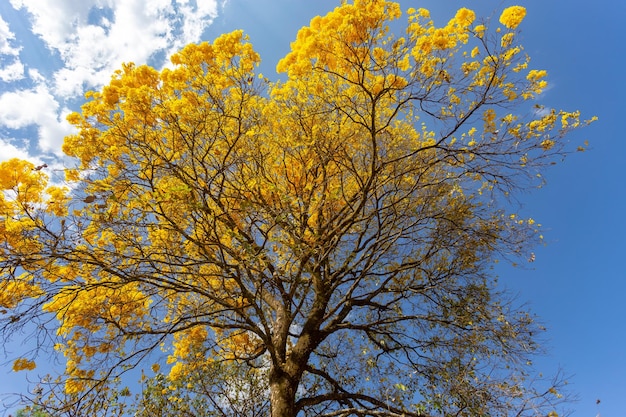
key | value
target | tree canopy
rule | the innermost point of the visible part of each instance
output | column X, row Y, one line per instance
column 321, row 245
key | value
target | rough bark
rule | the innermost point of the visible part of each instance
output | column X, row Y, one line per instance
column 282, row 394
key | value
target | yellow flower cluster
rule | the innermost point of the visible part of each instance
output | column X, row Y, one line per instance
column 14, row 291
column 188, row 348
column 512, row 16
column 23, row 364
column 537, row 83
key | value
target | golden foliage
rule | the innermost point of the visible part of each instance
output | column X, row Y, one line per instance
column 223, row 218
column 22, row 364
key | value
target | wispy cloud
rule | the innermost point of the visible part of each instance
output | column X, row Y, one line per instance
column 12, row 72
column 11, row 69
column 36, row 106
column 91, row 39
column 7, row 38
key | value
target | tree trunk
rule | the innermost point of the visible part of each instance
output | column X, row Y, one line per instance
column 282, row 394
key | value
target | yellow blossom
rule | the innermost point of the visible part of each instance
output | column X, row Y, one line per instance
column 22, row 364
column 512, row 16
column 507, row 39
column 424, row 13
column 547, row 144
column 465, row 17
column 479, row 30
column 535, row 75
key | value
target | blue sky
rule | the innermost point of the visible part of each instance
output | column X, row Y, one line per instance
column 51, row 52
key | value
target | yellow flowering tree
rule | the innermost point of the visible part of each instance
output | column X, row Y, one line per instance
column 331, row 235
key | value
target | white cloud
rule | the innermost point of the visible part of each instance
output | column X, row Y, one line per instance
column 25, row 107
column 194, row 22
column 12, row 72
column 53, row 130
column 55, row 22
column 37, row 106
column 10, row 151
column 6, row 38
column 36, row 76
column 93, row 37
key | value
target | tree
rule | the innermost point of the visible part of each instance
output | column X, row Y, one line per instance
column 221, row 389
column 30, row 413
column 333, row 233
